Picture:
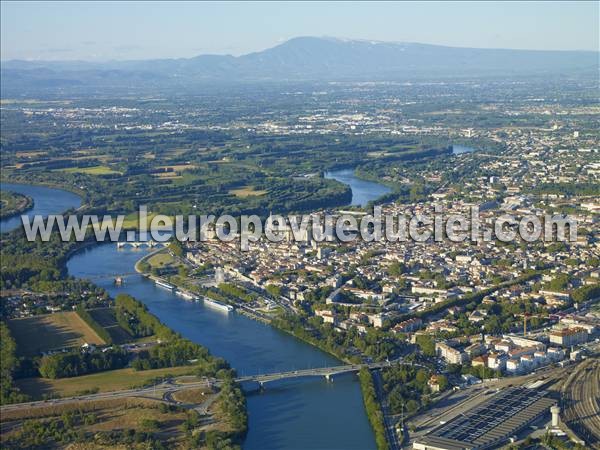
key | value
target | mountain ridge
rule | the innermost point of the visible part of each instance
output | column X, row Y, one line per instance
column 307, row 58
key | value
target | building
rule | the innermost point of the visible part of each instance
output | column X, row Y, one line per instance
column 497, row 361
column 434, row 383
column 503, row 346
column 513, row 365
column 480, row 361
column 408, row 326
column 555, row 354
column 475, row 349
column 451, row 355
column 327, row 316
column 568, row 337
column 490, row 424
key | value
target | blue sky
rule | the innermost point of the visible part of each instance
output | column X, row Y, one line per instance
column 140, row 30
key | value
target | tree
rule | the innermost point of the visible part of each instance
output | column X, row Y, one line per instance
column 442, row 382
column 182, row 271
column 426, row 344
column 274, row 290
column 176, row 248
column 396, row 269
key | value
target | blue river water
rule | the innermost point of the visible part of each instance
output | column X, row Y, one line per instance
column 362, row 191
column 300, row 414
column 46, row 201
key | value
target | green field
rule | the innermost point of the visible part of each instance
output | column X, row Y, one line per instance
column 247, row 191
column 111, row 380
column 38, row 334
column 93, row 170
column 131, row 220
column 161, row 259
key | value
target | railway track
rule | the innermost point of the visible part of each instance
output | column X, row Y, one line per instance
column 581, row 403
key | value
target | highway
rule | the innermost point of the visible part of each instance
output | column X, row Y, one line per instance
column 581, row 402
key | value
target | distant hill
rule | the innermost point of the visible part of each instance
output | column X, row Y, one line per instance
column 304, row 59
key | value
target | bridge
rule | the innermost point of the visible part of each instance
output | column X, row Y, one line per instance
column 170, row 386
column 327, row 372
column 137, row 244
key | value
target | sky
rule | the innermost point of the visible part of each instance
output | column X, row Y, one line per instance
column 145, row 30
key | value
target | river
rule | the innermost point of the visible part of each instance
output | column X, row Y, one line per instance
column 45, row 201
column 293, row 414
column 363, row 191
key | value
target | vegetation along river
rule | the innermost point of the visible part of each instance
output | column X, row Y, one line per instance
column 300, row 414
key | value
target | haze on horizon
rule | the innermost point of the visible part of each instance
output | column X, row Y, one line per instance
column 141, row 30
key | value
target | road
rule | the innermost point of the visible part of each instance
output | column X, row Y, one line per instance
column 163, row 389
column 167, row 388
column 581, row 402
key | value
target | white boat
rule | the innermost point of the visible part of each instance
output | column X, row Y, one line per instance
column 217, row 305
column 162, row 284
column 185, row 294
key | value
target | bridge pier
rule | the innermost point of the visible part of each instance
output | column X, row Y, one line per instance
column 329, row 377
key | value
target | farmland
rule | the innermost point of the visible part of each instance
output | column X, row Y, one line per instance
column 38, row 334
column 247, row 191
column 93, row 170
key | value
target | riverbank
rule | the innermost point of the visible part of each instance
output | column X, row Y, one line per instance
column 371, row 401
column 36, row 183
column 244, row 310
column 13, row 204
column 250, row 347
column 363, row 190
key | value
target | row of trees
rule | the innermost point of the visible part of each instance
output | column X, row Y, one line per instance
column 99, row 329
column 8, row 363
column 175, row 352
column 134, row 317
column 231, row 405
column 75, row 363
column 373, row 408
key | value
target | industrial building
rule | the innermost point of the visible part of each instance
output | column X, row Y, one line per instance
column 490, row 424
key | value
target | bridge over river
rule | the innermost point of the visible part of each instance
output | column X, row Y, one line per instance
column 166, row 388
column 326, row 372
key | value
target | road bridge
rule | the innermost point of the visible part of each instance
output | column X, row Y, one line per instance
column 326, row 372
column 168, row 387
column 137, row 244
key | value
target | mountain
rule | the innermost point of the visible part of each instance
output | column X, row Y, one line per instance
column 303, row 59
